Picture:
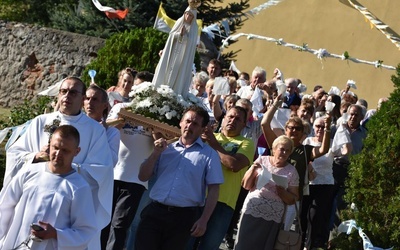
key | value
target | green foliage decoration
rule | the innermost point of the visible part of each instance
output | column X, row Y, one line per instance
column 137, row 49
column 346, row 55
column 374, row 175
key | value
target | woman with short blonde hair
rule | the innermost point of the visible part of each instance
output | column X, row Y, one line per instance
column 264, row 206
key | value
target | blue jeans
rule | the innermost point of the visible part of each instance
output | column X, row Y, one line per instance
column 217, row 227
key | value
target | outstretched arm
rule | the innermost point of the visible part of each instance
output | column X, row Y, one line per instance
column 216, row 107
column 326, row 140
column 269, row 134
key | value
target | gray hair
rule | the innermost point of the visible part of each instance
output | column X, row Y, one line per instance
column 259, row 70
column 202, row 77
column 359, row 108
column 244, row 101
column 306, row 128
column 104, row 95
column 293, row 82
column 362, row 102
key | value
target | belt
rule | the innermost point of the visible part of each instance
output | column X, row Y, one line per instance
column 174, row 208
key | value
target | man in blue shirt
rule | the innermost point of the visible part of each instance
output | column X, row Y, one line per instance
column 184, row 171
column 292, row 98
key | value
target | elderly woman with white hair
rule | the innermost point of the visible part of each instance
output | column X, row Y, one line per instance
column 265, row 204
column 200, row 80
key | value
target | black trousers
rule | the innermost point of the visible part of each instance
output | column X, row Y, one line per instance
column 126, row 200
column 340, row 174
column 165, row 227
column 319, row 203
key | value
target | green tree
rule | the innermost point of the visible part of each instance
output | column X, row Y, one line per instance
column 137, row 49
column 19, row 115
column 84, row 18
column 29, row 11
column 374, row 176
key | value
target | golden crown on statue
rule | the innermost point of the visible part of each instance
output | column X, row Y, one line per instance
column 194, row 4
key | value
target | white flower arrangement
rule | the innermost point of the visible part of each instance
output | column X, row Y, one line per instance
column 161, row 104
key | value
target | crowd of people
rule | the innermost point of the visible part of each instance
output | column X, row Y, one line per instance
column 252, row 152
column 93, row 181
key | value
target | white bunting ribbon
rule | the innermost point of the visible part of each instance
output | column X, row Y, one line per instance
column 348, row 226
column 3, row 134
column 251, row 13
column 320, row 53
column 17, row 131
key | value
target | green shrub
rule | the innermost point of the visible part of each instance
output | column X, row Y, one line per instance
column 374, row 176
column 19, row 115
column 28, row 110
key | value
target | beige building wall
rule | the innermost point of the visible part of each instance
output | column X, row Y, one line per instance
column 327, row 24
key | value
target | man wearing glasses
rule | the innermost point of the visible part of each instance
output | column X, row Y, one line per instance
column 94, row 162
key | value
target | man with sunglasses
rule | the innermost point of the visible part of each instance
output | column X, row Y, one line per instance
column 94, row 162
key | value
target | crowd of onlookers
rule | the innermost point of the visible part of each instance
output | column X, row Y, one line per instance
column 105, row 183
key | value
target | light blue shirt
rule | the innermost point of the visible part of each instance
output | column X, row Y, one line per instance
column 182, row 174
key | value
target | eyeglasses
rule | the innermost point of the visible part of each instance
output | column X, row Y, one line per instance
column 72, row 92
column 320, row 126
column 293, row 128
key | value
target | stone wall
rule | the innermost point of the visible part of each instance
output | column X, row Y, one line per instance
column 33, row 58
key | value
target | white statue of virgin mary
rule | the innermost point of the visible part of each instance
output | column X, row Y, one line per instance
column 175, row 66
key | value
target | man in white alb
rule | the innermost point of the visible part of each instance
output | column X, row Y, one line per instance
column 52, row 195
column 94, row 162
